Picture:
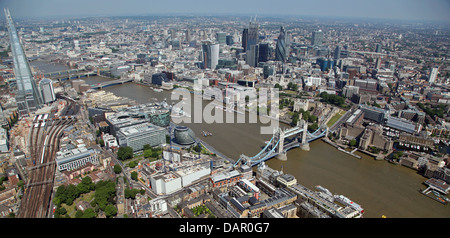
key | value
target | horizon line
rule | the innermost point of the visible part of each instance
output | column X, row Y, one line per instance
column 260, row 15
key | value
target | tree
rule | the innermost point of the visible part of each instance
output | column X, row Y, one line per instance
column 278, row 86
column 147, row 147
column 198, row 148
column 124, row 153
column 313, row 127
column 131, row 193
column 110, row 211
column 79, row 214
column 132, row 164
column 134, row 175
column 88, row 213
column 117, row 169
column 86, row 185
column 104, row 193
column 71, row 194
column 352, row 143
column 148, row 153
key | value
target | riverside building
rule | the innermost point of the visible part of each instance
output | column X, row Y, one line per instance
column 137, row 136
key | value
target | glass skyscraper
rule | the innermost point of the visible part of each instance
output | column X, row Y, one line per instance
column 28, row 97
column 210, row 53
column 317, row 38
column 250, row 35
column 280, row 50
column 244, row 39
column 263, row 52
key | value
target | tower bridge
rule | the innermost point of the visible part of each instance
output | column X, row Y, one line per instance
column 284, row 140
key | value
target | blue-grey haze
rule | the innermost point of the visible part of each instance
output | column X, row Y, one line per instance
column 429, row 10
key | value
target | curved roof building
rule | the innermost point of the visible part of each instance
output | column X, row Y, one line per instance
column 184, row 135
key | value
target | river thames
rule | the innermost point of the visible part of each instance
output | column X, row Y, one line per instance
column 381, row 188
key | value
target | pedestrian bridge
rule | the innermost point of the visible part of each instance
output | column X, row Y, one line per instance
column 284, row 140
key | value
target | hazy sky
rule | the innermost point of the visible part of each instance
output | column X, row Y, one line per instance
column 387, row 9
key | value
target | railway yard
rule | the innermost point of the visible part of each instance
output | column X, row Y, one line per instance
column 43, row 144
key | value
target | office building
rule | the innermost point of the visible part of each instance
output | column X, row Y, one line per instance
column 184, row 135
column 28, row 97
column 378, row 48
column 317, row 38
column 155, row 113
column 47, row 91
column 250, row 35
column 244, row 39
column 221, row 37
column 158, row 78
column 368, row 85
column 210, row 54
column 378, row 63
column 337, row 53
column 252, row 55
column 137, row 136
column 119, row 70
column 225, row 179
column 280, row 50
column 373, row 113
column 229, row 40
column 4, row 147
column 433, row 75
column 176, row 44
column 325, row 64
column 165, row 183
column 76, row 158
column 188, row 35
column 348, row 91
column 263, row 55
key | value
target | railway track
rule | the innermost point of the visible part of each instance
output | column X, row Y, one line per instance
column 44, row 145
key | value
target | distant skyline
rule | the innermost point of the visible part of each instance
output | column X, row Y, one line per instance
column 428, row 10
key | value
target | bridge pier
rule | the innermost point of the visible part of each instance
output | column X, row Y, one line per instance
column 304, row 145
column 281, row 137
column 282, row 156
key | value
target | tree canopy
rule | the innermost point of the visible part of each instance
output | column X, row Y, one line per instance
column 333, row 99
column 124, row 153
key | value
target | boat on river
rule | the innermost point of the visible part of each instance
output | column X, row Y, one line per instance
column 347, row 202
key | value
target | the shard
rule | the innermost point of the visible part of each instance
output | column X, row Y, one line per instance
column 28, row 97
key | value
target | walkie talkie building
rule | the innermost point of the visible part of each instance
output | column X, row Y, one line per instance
column 28, row 97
